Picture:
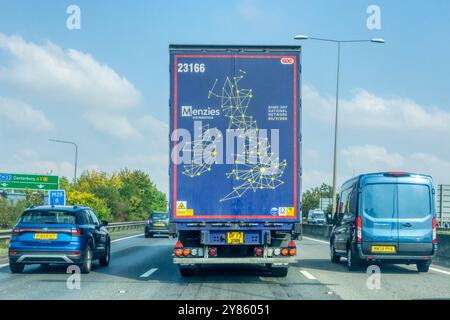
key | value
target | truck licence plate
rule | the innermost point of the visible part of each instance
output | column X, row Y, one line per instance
column 235, row 237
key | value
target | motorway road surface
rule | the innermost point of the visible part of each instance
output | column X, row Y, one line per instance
column 142, row 269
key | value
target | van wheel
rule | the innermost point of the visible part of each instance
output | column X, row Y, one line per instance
column 16, row 267
column 86, row 266
column 353, row 261
column 104, row 261
column 280, row 271
column 334, row 257
column 423, row 266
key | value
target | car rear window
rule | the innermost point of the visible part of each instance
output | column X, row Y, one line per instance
column 413, row 200
column 379, row 200
column 48, row 217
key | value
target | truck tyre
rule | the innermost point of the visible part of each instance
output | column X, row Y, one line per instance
column 16, row 267
column 104, row 261
column 187, row 271
column 353, row 261
column 86, row 266
column 280, row 271
column 334, row 257
column 423, row 266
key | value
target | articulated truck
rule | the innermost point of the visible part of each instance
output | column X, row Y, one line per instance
column 235, row 147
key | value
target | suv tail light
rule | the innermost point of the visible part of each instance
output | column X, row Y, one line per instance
column 359, row 230
column 434, row 231
column 148, row 221
column 16, row 231
column 76, row 232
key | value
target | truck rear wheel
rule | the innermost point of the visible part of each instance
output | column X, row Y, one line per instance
column 187, row 271
column 280, row 271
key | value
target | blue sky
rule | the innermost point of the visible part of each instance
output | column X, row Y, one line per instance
column 395, row 96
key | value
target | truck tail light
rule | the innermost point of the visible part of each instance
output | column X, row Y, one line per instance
column 359, row 230
column 258, row 252
column 212, row 251
column 178, row 252
column 434, row 231
column 292, row 251
column 292, row 244
column 178, row 245
column 284, row 252
column 186, row 252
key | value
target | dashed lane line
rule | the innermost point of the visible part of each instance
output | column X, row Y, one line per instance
column 308, row 275
column 135, row 236
column 317, row 240
column 149, row 273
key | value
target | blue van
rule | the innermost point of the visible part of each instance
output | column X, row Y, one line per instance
column 385, row 217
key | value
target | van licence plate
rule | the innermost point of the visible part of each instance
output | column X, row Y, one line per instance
column 389, row 249
column 235, row 237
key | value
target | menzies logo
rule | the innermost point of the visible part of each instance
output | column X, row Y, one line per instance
column 199, row 113
column 186, row 111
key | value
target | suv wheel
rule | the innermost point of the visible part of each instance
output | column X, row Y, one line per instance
column 353, row 261
column 86, row 266
column 16, row 267
column 334, row 257
column 104, row 261
column 423, row 266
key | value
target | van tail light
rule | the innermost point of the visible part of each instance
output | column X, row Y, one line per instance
column 434, row 231
column 359, row 230
column 76, row 232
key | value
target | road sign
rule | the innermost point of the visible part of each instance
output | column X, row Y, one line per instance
column 325, row 203
column 28, row 181
column 57, row 197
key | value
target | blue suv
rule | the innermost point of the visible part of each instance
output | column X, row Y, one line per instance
column 385, row 217
column 59, row 235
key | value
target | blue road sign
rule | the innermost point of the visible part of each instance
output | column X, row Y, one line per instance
column 57, row 197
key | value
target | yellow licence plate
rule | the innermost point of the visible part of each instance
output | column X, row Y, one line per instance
column 45, row 236
column 159, row 224
column 390, row 249
column 235, row 238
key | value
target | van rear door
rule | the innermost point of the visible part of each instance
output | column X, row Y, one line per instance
column 415, row 218
column 379, row 216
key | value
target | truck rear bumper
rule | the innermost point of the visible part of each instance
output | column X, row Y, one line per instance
column 249, row 260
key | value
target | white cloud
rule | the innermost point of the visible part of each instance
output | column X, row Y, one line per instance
column 314, row 178
column 65, row 75
column 113, row 125
column 369, row 111
column 370, row 158
column 21, row 116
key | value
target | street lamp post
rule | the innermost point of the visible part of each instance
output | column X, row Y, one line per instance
column 76, row 154
column 338, row 42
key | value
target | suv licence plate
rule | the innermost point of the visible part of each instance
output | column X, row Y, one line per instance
column 45, row 236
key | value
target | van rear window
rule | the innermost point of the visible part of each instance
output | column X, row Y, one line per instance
column 48, row 217
column 379, row 200
column 413, row 201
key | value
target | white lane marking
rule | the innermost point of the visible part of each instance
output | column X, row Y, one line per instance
column 317, row 240
column 4, row 265
column 308, row 275
column 135, row 236
column 440, row 270
column 148, row 273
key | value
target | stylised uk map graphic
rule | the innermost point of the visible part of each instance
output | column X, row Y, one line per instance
column 264, row 173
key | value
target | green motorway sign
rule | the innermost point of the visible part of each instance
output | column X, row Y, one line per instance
column 28, row 181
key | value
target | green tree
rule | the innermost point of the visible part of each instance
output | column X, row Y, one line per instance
column 88, row 199
column 311, row 198
column 10, row 212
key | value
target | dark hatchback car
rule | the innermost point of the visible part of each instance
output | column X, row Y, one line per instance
column 158, row 223
column 385, row 218
column 70, row 235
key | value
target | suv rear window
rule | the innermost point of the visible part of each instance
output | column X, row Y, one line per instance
column 48, row 217
column 158, row 216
